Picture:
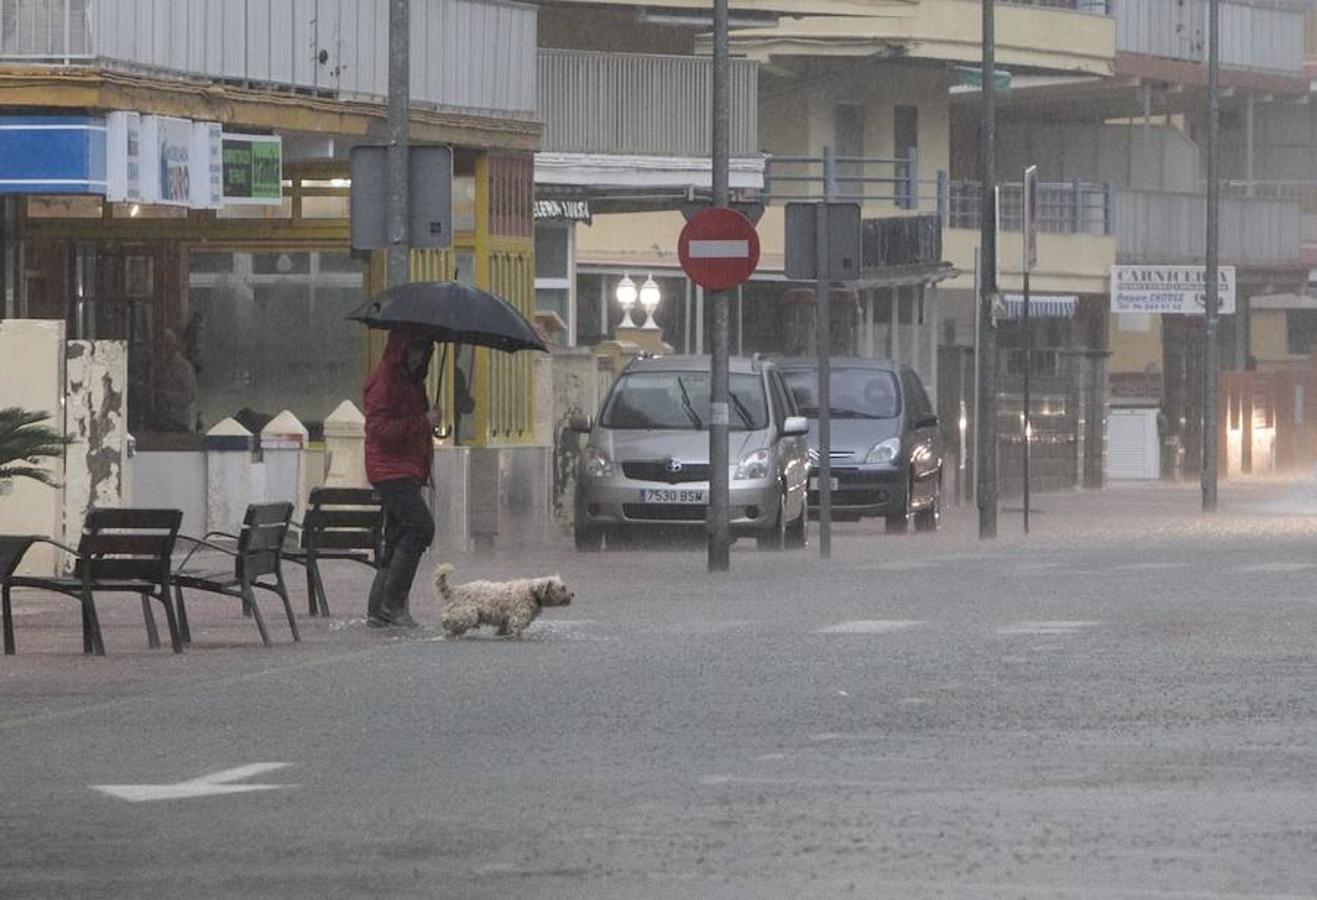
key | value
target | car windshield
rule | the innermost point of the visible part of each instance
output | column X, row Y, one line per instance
column 680, row 400
column 855, row 393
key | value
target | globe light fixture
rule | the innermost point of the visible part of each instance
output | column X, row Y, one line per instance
column 650, row 295
column 626, row 298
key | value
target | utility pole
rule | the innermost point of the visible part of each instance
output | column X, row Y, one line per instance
column 1211, row 277
column 986, row 451
column 719, row 476
column 824, row 339
column 399, row 143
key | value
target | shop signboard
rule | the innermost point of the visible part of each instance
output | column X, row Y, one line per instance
column 123, row 157
column 52, row 155
column 252, row 169
column 1177, row 290
column 167, row 154
column 207, row 169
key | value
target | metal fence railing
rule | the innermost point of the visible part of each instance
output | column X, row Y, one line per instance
column 1075, row 208
column 1097, row 7
column 45, row 31
column 641, row 103
column 859, row 179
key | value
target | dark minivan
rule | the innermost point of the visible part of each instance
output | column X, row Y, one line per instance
column 886, row 452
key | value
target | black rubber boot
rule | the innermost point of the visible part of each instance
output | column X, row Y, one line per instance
column 397, row 587
column 376, row 602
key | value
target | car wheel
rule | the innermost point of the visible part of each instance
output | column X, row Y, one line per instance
column 589, row 540
column 797, row 536
column 777, row 538
column 928, row 518
column 899, row 522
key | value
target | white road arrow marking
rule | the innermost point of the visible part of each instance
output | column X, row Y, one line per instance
column 206, row 786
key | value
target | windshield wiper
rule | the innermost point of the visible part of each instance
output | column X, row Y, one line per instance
column 740, row 409
column 688, row 406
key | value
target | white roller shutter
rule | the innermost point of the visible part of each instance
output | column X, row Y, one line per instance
column 1133, row 450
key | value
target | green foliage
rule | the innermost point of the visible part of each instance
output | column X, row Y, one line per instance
column 25, row 440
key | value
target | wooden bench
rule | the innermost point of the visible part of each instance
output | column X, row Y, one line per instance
column 121, row 551
column 256, row 554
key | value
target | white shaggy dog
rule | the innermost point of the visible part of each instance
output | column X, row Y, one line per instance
column 509, row 605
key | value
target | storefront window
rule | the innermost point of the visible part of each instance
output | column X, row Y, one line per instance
column 273, row 334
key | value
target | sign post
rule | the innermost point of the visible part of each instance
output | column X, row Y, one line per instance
column 1030, row 260
column 719, row 250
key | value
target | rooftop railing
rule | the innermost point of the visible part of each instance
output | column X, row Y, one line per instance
column 643, row 104
column 473, row 56
column 1263, row 36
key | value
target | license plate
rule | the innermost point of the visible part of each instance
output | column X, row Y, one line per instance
column 814, row 484
column 683, row 496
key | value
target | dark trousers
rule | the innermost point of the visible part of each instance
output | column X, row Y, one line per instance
column 408, row 525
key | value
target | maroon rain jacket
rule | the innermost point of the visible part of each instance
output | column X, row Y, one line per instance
column 399, row 442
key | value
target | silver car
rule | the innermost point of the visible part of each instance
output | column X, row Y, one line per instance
column 646, row 464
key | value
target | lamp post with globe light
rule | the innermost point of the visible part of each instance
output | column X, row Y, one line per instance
column 626, row 298
column 650, row 297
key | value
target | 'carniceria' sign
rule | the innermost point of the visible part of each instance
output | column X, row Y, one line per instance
column 1179, row 290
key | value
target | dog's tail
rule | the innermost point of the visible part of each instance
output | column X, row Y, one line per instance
column 441, row 580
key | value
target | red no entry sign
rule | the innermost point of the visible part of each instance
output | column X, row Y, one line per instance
column 718, row 248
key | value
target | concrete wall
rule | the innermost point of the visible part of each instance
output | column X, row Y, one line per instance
column 1135, row 342
column 1067, row 264
column 32, row 377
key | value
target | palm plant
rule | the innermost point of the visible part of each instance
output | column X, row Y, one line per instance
column 25, row 440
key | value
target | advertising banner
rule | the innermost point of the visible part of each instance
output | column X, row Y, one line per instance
column 1178, row 290
column 167, row 160
column 252, row 169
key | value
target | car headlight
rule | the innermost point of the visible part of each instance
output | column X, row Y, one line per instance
column 753, row 465
column 596, row 464
column 884, row 452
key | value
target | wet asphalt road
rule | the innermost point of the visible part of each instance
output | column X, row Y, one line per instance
column 1124, row 705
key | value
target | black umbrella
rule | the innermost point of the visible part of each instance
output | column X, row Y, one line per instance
column 451, row 313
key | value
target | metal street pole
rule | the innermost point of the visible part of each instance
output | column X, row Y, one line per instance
column 824, row 348
column 1213, row 351
column 986, row 452
column 397, row 191
column 719, row 476
column 1030, row 252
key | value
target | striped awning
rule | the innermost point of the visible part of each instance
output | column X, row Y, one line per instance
column 1041, row 306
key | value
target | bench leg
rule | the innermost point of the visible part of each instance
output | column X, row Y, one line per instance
column 152, row 635
column 175, row 635
column 249, row 601
column 184, row 629
column 322, row 594
column 9, row 623
column 312, row 601
column 282, row 590
column 92, row 640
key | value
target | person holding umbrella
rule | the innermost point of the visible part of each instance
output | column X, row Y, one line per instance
column 399, row 454
column 399, row 421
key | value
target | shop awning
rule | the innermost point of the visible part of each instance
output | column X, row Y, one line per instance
column 1041, row 306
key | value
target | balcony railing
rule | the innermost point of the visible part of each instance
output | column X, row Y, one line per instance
column 472, row 56
column 1162, row 227
column 641, row 104
column 1253, row 35
column 1077, row 208
column 1097, row 7
column 901, row 241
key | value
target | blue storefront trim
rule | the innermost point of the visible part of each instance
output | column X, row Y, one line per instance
column 52, row 155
